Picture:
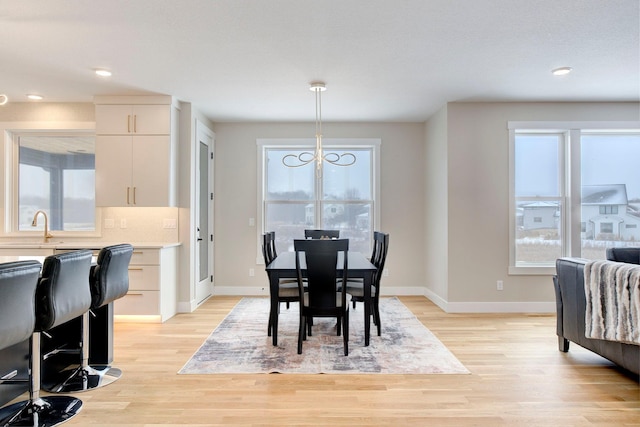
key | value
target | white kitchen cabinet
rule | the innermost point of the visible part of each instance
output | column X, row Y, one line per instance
column 136, row 151
column 134, row 171
column 152, row 292
column 133, row 119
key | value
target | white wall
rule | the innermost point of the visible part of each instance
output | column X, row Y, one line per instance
column 436, row 207
column 402, row 199
column 444, row 198
column 478, row 201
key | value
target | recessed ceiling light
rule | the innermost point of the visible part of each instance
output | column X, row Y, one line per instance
column 34, row 97
column 562, row 71
column 3, row 99
column 102, row 72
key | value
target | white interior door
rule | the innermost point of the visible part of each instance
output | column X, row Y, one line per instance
column 204, row 213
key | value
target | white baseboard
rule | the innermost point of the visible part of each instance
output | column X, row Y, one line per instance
column 491, row 307
column 501, row 307
column 448, row 307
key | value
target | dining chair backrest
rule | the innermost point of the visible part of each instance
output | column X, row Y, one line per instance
column 379, row 257
column 321, row 257
column 269, row 247
column 272, row 245
column 321, row 234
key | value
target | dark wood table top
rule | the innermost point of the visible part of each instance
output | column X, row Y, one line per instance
column 286, row 261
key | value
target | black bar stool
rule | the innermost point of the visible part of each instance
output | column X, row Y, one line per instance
column 18, row 281
column 108, row 281
column 62, row 294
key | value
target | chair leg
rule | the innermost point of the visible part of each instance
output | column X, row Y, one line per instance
column 345, row 319
column 39, row 411
column 301, row 332
column 338, row 326
column 376, row 310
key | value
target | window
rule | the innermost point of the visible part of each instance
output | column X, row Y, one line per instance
column 605, row 210
column 343, row 198
column 575, row 191
column 56, row 174
column 538, row 198
column 606, row 227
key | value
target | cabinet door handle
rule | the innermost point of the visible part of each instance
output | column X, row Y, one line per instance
column 135, row 123
column 135, row 269
column 128, row 195
column 135, row 293
column 134, row 195
column 129, row 123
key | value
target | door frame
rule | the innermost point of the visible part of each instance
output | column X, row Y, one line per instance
column 204, row 135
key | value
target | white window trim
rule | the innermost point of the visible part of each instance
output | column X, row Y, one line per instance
column 571, row 180
column 306, row 143
column 9, row 182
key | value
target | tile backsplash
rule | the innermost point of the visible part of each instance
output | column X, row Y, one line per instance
column 140, row 224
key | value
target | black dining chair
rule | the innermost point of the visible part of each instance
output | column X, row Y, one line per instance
column 321, row 234
column 287, row 288
column 355, row 287
column 317, row 262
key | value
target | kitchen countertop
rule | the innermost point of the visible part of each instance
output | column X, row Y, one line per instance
column 57, row 244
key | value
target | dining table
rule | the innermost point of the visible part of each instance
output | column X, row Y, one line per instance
column 284, row 267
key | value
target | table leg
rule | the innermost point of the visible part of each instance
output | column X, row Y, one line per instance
column 273, row 295
column 367, row 308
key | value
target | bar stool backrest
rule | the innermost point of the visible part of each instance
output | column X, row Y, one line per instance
column 18, row 281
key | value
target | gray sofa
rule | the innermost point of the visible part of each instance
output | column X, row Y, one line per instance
column 571, row 306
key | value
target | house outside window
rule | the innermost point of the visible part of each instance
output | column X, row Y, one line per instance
column 54, row 171
column 584, row 175
column 341, row 197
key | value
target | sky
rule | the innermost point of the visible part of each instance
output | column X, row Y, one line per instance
column 605, row 159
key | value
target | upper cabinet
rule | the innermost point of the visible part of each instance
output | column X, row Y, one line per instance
column 133, row 119
column 136, row 143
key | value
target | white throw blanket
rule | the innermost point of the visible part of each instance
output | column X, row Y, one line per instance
column 612, row 290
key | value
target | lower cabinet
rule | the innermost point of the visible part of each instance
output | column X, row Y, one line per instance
column 152, row 295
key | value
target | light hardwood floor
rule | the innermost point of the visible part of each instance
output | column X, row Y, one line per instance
column 518, row 378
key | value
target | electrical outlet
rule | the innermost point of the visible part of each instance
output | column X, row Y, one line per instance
column 385, row 272
column 109, row 223
column 123, row 223
column 499, row 285
column 252, row 272
column 169, row 223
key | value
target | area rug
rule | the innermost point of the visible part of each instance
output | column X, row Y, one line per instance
column 240, row 345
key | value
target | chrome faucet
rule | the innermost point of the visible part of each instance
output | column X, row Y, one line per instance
column 34, row 223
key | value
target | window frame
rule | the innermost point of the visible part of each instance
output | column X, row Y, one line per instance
column 309, row 144
column 570, row 185
column 11, row 178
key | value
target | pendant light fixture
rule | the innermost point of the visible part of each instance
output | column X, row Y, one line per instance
column 318, row 156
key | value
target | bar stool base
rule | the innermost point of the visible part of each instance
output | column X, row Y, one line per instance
column 43, row 412
column 88, row 378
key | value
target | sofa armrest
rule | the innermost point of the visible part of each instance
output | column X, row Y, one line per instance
column 628, row 255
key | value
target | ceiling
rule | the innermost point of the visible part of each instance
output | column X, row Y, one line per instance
column 382, row 60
